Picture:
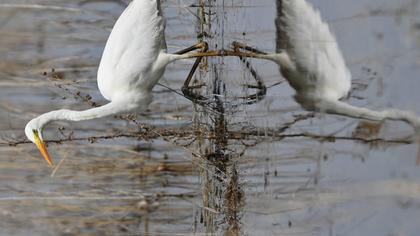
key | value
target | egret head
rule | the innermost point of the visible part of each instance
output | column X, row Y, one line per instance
column 33, row 133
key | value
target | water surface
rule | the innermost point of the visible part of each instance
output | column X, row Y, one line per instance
column 191, row 170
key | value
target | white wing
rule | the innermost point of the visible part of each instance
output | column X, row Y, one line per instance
column 132, row 47
column 310, row 44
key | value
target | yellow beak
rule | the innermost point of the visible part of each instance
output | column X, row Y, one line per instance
column 43, row 149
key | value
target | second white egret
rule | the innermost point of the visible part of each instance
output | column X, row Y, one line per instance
column 311, row 61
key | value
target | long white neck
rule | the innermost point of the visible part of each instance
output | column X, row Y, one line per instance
column 111, row 108
column 341, row 108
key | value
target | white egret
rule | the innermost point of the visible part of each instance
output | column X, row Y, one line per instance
column 311, row 61
column 133, row 61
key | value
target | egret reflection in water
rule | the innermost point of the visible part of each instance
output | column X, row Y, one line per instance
column 265, row 168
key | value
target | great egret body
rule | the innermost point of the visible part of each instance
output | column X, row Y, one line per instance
column 311, row 61
column 133, row 61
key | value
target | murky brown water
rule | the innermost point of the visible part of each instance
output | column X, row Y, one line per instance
column 263, row 169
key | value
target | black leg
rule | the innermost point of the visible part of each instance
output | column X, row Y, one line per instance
column 237, row 45
column 260, row 86
column 202, row 45
column 187, row 89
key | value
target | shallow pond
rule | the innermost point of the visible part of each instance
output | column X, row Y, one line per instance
column 229, row 168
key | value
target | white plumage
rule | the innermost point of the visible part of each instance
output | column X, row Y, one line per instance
column 132, row 50
column 311, row 61
column 319, row 70
column 133, row 61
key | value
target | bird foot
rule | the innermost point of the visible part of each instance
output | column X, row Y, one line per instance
column 190, row 94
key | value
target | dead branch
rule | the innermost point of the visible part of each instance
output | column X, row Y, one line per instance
column 183, row 133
